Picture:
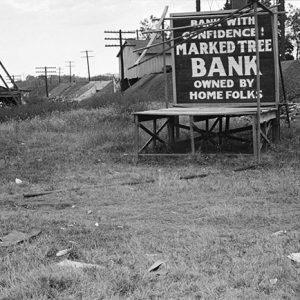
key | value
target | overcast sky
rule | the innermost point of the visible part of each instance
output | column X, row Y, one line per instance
column 37, row 33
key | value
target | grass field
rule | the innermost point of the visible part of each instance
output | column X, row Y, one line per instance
column 214, row 233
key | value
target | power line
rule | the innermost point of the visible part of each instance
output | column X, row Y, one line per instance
column 70, row 66
column 87, row 56
column 59, row 74
column 120, row 38
column 45, row 71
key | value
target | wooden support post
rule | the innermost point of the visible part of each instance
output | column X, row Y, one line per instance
column 121, row 58
column 172, row 131
column 265, row 131
column 165, row 65
column 220, row 131
column 276, row 128
column 137, row 136
column 227, row 125
column 154, row 131
column 177, row 129
column 258, row 156
column 254, row 134
column 192, row 135
column 276, row 64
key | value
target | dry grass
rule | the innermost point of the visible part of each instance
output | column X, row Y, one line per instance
column 215, row 232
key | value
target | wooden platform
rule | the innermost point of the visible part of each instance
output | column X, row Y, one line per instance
column 215, row 131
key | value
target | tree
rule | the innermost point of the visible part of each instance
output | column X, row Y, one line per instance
column 289, row 48
column 146, row 25
column 266, row 3
column 149, row 24
column 293, row 27
column 227, row 5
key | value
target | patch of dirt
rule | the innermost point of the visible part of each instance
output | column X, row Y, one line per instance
column 154, row 86
column 57, row 206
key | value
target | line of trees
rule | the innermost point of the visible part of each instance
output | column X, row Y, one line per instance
column 292, row 29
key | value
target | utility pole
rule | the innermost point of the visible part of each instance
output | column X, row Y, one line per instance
column 59, row 75
column 120, row 38
column 14, row 78
column 87, row 56
column 46, row 71
column 198, row 5
column 70, row 66
column 282, row 18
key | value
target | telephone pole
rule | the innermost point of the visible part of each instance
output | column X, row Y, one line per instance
column 59, row 74
column 282, row 18
column 15, row 78
column 70, row 66
column 198, row 5
column 120, row 38
column 87, row 56
column 45, row 71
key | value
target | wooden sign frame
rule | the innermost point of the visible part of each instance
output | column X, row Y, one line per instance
column 273, row 79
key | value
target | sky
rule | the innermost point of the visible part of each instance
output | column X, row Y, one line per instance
column 38, row 33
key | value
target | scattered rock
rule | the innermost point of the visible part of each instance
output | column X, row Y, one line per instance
column 89, row 212
column 294, row 257
column 18, row 181
column 158, row 264
column 97, row 224
column 279, row 233
column 152, row 254
column 16, row 237
column 76, row 264
column 63, row 252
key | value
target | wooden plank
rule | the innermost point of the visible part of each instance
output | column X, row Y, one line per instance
column 267, row 116
column 154, row 131
column 227, row 124
column 192, row 136
column 254, row 137
column 258, row 77
column 151, row 133
column 137, row 136
column 171, row 131
column 220, row 130
column 205, row 111
column 276, row 56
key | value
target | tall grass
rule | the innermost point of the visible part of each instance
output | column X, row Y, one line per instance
column 43, row 107
column 38, row 140
column 214, row 232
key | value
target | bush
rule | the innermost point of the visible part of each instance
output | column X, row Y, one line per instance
column 29, row 111
column 122, row 104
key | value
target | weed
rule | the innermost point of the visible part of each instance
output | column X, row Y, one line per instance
column 214, row 231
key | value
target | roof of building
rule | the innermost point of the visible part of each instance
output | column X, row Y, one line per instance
column 137, row 44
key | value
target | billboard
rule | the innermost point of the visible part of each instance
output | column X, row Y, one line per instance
column 218, row 64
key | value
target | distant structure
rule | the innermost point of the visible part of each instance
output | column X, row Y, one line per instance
column 10, row 94
column 236, row 4
column 152, row 66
